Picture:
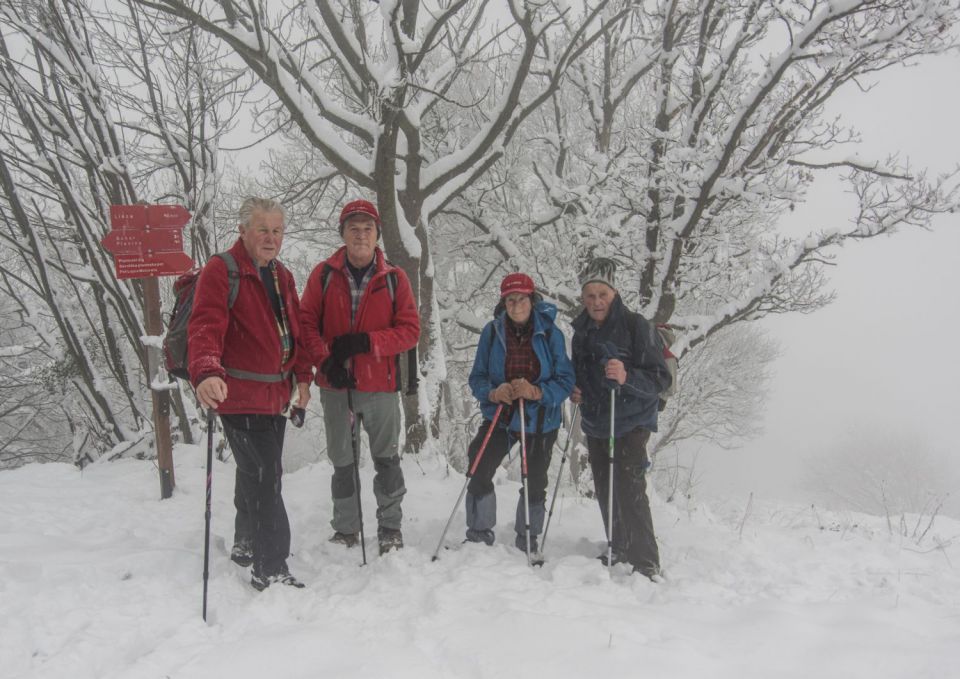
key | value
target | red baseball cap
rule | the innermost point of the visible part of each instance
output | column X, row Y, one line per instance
column 516, row 282
column 359, row 207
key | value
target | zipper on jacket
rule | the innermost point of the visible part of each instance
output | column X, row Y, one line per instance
column 276, row 321
column 367, row 291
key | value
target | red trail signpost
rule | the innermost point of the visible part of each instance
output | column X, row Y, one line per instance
column 146, row 241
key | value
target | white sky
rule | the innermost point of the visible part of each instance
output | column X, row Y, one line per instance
column 883, row 356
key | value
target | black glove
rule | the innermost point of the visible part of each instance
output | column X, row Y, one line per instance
column 337, row 375
column 351, row 344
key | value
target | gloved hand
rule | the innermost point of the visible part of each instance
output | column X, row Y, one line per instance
column 525, row 390
column 502, row 394
column 337, row 375
column 348, row 345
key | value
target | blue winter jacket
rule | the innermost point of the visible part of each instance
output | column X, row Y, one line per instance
column 629, row 337
column 556, row 372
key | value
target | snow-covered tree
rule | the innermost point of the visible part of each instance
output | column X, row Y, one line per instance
column 79, row 132
column 32, row 423
column 673, row 135
column 679, row 141
column 405, row 101
column 721, row 392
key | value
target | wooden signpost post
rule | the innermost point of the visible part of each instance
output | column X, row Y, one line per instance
column 146, row 242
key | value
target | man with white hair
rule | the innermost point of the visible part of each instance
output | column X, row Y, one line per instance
column 243, row 357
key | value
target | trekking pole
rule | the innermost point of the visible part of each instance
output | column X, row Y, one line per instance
column 211, row 414
column 556, row 488
column 613, row 402
column 470, row 473
column 355, row 441
column 523, row 477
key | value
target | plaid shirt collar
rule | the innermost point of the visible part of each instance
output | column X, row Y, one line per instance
column 356, row 291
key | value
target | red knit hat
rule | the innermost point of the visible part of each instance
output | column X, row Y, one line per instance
column 359, row 207
column 516, row 282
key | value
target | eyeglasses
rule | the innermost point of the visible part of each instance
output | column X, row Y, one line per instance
column 515, row 300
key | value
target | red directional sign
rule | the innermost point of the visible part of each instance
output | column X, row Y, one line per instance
column 139, row 217
column 147, row 240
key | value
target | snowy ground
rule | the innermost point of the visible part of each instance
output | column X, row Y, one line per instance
column 99, row 578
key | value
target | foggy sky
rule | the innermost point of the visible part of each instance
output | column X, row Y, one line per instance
column 882, row 359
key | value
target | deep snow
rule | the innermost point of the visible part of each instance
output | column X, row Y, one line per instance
column 99, row 578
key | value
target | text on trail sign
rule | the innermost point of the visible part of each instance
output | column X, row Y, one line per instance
column 147, row 240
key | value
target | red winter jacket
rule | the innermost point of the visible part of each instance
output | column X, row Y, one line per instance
column 326, row 315
column 244, row 337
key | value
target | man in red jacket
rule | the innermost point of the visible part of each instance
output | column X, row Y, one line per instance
column 242, row 361
column 355, row 329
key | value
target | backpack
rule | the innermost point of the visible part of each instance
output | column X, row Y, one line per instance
column 175, row 340
column 409, row 366
column 667, row 338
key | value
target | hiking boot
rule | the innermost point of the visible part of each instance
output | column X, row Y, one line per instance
column 652, row 573
column 521, row 543
column 617, row 558
column 261, row 582
column 242, row 553
column 389, row 539
column 345, row 539
column 487, row 537
column 289, row 580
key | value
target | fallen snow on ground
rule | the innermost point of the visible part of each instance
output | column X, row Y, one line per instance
column 99, row 578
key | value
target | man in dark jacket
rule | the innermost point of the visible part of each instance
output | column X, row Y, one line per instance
column 617, row 349
column 242, row 361
column 358, row 316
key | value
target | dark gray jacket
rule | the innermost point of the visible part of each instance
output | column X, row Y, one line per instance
column 629, row 337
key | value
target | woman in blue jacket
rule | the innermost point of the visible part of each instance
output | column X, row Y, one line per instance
column 521, row 356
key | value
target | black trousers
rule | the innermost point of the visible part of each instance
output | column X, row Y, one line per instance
column 633, row 536
column 257, row 445
column 539, row 448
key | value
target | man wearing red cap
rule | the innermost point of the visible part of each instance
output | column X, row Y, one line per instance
column 521, row 355
column 358, row 315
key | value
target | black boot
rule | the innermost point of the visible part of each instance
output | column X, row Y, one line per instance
column 242, row 553
column 345, row 539
column 260, row 582
column 389, row 539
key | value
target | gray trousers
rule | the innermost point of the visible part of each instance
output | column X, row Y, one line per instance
column 379, row 413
